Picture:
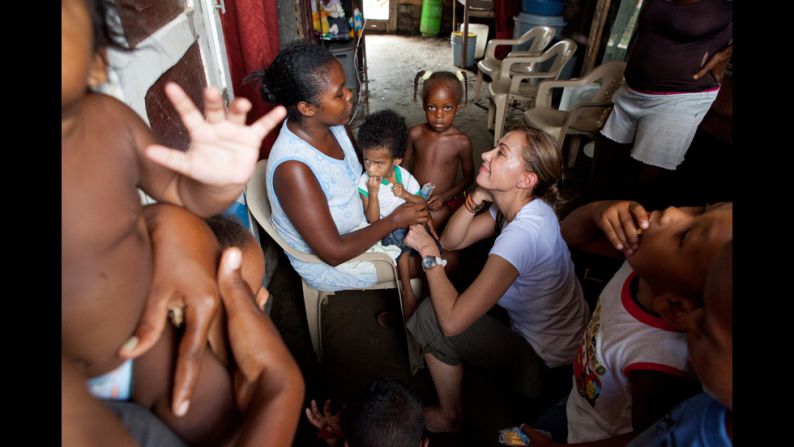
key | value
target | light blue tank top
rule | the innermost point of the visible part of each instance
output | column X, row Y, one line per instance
column 337, row 180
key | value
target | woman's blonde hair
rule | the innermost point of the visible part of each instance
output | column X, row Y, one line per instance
column 542, row 156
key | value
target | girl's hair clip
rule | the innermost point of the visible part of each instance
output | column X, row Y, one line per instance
column 427, row 75
column 459, row 75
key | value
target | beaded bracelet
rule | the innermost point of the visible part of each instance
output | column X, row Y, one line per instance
column 471, row 206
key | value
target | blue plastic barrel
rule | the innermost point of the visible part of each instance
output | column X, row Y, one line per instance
column 457, row 48
column 543, row 7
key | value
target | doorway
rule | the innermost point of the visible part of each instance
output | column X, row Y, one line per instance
column 380, row 15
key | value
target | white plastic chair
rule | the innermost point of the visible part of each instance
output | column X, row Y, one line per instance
column 259, row 205
column 585, row 118
column 523, row 86
column 491, row 66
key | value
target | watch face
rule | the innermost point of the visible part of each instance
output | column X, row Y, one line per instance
column 428, row 262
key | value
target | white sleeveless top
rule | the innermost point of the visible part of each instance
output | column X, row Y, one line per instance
column 337, row 178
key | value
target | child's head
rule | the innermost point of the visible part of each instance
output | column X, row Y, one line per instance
column 309, row 81
column 677, row 249
column 383, row 137
column 387, row 416
column 231, row 234
column 85, row 33
column 710, row 332
column 527, row 158
column 442, row 92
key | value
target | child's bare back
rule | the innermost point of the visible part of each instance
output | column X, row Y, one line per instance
column 434, row 157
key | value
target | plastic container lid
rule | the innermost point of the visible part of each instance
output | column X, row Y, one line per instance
column 459, row 35
column 540, row 20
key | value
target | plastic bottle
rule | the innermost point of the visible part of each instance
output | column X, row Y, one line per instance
column 430, row 22
column 426, row 190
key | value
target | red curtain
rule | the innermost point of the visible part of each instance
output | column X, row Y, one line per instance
column 250, row 28
column 504, row 11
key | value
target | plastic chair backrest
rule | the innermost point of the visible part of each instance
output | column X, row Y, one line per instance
column 259, row 205
column 610, row 77
column 541, row 37
column 562, row 52
column 559, row 53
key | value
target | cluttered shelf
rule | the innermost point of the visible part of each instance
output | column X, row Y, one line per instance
column 333, row 20
column 339, row 26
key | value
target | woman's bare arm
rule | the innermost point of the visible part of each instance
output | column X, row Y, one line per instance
column 268, row 387
column 456, row 312
column 465, row 228
column 304, row 203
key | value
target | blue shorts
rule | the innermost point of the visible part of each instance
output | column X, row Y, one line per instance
column 397, row 237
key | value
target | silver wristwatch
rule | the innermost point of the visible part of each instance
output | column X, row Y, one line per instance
column 428, row 262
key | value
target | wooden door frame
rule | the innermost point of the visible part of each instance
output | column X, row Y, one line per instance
column 131, row 74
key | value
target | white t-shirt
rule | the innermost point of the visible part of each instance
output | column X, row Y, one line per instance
column 545, row 303
column 620, row 338
column 387, row 201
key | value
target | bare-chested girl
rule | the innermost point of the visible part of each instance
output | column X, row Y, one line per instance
column 436, row 148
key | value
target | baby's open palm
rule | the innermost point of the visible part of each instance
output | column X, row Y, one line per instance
column 223, row 149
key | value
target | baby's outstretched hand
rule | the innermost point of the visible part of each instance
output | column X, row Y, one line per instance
column 223, row 149
column 329, row 424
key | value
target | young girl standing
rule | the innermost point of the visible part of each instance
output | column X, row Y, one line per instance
column 436, row 148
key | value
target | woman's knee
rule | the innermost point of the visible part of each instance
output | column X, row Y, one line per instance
column 423, row 324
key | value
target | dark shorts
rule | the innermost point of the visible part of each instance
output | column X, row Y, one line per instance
column 487, row 344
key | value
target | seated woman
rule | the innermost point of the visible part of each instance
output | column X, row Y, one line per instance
column 313, row 170
column 528, row 272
